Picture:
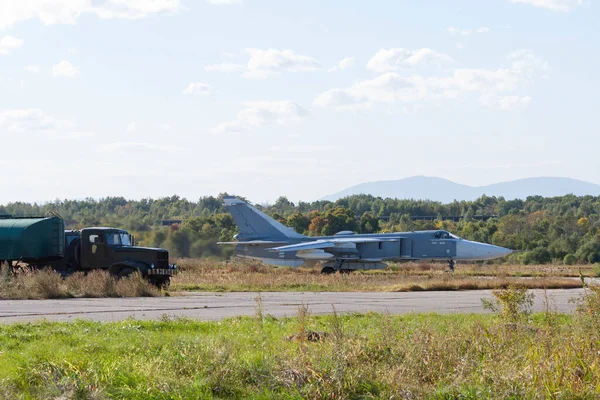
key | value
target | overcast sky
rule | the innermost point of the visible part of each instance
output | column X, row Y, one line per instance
column 262, row 98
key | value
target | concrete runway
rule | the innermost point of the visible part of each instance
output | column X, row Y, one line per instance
column 214, row 306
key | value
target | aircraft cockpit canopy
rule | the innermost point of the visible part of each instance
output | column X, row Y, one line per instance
column 444, row 235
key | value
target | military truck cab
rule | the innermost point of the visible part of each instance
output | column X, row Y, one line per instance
column 114, row 250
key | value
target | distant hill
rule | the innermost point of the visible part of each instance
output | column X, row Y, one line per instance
column 439, row 189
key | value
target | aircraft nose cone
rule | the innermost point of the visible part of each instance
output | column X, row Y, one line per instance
column 498, row 251
column 468, row 250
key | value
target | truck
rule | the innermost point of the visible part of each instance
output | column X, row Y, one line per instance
column 44, row 242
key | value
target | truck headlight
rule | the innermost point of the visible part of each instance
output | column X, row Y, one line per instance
column 152, row 266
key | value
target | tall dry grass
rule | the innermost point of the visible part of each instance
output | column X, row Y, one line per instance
column 48, row 284
column 211, row 275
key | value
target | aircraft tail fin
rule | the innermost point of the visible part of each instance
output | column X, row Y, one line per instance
column 256, row 225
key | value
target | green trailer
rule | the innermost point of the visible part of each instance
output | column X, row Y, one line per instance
column 31, row 240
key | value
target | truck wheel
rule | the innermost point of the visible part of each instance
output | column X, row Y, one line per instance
column 73, row 254
column 125, row 272
column 161, row 282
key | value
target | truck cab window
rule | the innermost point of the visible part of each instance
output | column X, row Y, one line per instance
column 125, row 239
column 112, row 239
column 94, row 238
column 118, row 239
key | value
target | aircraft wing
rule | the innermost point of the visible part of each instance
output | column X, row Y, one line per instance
column 364, row 240
column 329, row 243
column 255, row 242
column 317, row 244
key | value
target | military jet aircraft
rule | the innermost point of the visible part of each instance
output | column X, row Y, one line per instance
column 261, row 237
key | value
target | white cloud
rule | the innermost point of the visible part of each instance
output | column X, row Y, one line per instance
column 484, row 29
column 458, row 32
column 494, row 87
column 65, row 69
column 344, row 63
column 9, row 43
column 136, row 9
column 198, row 88
column 34, row 69
column 224, row 67
column 396, row 58
column 263, row 63
column 263, row 113
column 132, row 126
column 505, row 103
column 32, row 121
column 51, row 12
column 554, row 5
column 387, row 88
column 221, row 2
column 528, row 64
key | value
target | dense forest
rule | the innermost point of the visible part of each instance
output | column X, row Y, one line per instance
column 559, row 229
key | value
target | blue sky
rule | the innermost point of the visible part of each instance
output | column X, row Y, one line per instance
column 265, row 98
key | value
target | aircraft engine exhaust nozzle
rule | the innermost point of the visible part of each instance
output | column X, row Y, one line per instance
column 467, row 250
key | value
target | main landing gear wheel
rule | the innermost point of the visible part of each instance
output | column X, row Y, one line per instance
column 332, row 268
column 451, row 266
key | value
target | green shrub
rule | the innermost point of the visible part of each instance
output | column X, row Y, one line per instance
column 538, row 255
column 570, row 259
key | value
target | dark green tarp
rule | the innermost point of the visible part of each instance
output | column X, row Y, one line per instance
column 31, row 239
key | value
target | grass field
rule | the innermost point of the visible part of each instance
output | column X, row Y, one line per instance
column 210, row 275
column 510, row 354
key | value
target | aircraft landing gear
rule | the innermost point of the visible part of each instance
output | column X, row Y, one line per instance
column 331, row 268
column 451, row 266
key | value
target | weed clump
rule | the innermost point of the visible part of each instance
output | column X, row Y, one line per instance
column 512, row 304
column 48, row 284
column 588, row 306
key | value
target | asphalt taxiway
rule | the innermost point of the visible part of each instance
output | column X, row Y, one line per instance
column 215, row 306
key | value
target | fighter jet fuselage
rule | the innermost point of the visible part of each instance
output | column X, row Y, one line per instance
column 263, row 238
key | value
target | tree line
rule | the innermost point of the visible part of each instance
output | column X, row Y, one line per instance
column 557, row 229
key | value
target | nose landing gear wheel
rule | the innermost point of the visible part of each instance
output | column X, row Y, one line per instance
column 451, row 266
column 328, row 270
